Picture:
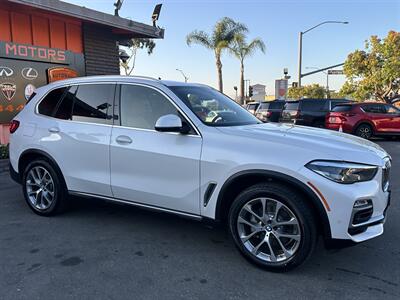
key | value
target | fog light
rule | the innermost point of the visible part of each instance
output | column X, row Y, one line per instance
column 362, row 203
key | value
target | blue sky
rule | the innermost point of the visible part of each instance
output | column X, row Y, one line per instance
column 276, row 22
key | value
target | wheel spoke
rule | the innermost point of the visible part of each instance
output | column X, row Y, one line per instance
column 278, row 206
column 272, row 253
column 264, row 204
column 292, row 221
column 288, row 235
column 243, row 221
column 285, row 251
column 248, row 209
column 247, row 237
column 255, row 249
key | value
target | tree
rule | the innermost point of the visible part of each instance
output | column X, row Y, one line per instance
column 221, row 37
column 241, row 49
column 375, row 71
column 131, row 51
column 313, row 91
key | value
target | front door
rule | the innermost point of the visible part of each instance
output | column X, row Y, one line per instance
column 149, row 167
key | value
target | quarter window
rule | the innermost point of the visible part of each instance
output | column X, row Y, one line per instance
column 142, row 106
column 48, row 104
column 94, row 103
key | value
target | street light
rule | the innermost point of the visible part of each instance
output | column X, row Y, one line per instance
column 301, row 33
column 183, row 74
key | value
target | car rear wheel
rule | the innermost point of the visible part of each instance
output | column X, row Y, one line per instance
column 364, row 131
column 272, row 227
column 44, row 189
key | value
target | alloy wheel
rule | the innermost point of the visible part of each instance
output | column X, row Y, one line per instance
column 269, row 230
column 40, row 188
column 365, row 132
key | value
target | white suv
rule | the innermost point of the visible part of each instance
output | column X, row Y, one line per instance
column 151, row 143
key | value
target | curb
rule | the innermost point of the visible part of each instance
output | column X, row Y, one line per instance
column 4, row 166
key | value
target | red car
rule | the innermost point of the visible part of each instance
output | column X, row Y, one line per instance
column 365, row 119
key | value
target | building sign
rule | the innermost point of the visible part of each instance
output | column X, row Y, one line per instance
column 34, row 53
column 24, row 68
column 55, row 74
column 281, row 88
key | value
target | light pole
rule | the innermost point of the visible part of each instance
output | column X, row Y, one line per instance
column 183, row 74
column 235, row 88
column 301, row 33
column 327, row 79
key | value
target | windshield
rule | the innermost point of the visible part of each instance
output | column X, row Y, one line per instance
column 212, row 107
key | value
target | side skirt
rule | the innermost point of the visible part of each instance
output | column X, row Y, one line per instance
column 141, row 205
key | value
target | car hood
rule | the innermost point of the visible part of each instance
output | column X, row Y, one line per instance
column 321, row 143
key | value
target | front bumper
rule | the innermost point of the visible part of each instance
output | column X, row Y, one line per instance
column 346, row 221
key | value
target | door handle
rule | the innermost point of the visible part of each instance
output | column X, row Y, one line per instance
column 124, row 140
column 54, row 130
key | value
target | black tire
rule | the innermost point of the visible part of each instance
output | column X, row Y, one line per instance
column 60, row 193
column 292, row 200
column 365, row 131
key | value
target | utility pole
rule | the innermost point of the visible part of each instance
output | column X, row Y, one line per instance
column 301, row 33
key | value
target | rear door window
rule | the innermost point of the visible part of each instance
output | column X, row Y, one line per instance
column 374, row 109
column 313, row 105
column 292, row 106
column 64, row 108
column 93, row 103
column 276, row 104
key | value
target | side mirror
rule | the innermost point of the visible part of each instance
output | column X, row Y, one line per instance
column 171, row 123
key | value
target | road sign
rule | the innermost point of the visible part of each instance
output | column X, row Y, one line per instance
column 335, row 72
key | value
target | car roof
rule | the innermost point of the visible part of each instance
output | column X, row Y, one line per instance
column 361, row 103
column 120, row 78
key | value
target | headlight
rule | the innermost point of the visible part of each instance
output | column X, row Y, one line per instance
column 343, row 172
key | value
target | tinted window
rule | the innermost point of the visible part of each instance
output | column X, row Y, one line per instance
column 391, row 109
column 49, row 103
column 340, row 108
column 93, row 103
column 64, row 107
column 226, row 112
column 313, row 105
column 141, row 106
column 292, row 105
column 276, row 104
column 374, row 108
column 264, row 106
column 252, row 106
column 334, row 103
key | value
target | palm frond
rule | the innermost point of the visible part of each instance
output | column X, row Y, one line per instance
column 199, row 37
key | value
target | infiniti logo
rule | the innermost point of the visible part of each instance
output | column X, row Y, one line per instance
column 29, row 73
column 6, row 71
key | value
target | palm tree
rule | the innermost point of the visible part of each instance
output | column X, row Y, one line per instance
column 241, row 49
column 223, row 34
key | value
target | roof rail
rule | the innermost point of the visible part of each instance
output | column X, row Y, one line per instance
column 142, row 77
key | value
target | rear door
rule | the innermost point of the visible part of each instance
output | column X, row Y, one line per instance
column 78, row 136
column 154, row 168
column 393, row 118
column 376, row 113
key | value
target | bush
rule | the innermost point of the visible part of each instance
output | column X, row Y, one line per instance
column 4, row 151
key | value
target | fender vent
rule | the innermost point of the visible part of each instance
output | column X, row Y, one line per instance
column 209, row 192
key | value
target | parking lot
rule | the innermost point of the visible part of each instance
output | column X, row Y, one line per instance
column 108, row 251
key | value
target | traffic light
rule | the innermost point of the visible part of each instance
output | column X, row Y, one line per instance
column 250, row 91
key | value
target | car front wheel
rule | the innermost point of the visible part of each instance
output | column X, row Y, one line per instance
column 272, row 226
column 44, row 189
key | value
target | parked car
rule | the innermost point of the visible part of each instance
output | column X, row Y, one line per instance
column 144, row 142
column 365, row 119
column 270, row 111
column 252, row 107
column 309, row 112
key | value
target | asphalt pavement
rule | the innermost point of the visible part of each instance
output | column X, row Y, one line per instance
column 101, row 250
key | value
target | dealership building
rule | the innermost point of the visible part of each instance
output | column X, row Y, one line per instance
column 42, row 41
